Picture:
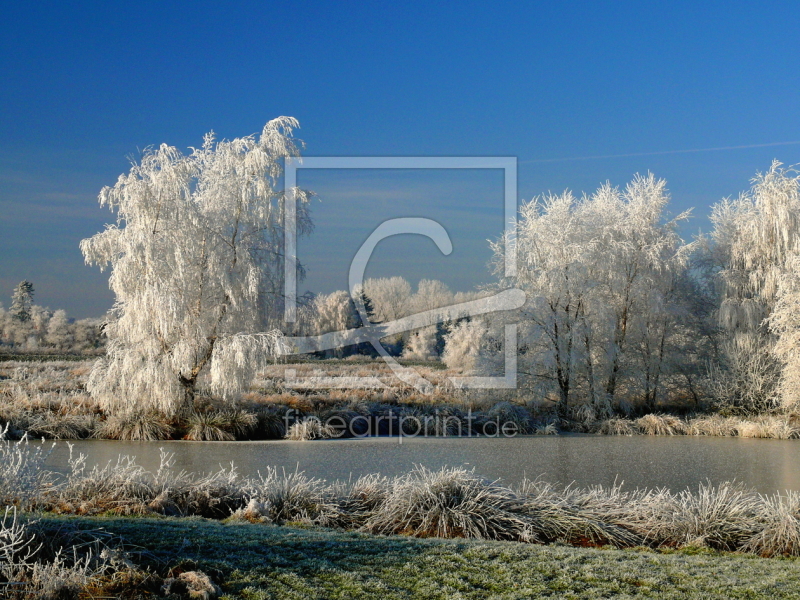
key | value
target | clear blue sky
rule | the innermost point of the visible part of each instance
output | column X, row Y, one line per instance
column 86, row 84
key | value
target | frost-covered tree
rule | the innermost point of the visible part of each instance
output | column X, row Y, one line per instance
column 332, row 312
column 431, row 294
column 59, row 334
column 21, row 301
column 599, row 273
column 638, row 260
column 428, row 342
column 421, row 344
column 463, row 345
column 88, row 335
column 757, row 237
column 391, row 297
column 196, row 266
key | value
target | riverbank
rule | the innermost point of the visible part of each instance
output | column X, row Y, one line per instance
column 451, row 502
column 286, row 535
column 49, row 399
column 253, row 562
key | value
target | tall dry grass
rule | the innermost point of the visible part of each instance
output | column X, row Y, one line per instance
column 451, row 502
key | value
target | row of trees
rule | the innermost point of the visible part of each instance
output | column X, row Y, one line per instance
column 386, row 299
column 27, row 327
column 619, row 308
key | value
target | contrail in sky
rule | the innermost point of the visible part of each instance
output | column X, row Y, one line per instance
column 549, row 160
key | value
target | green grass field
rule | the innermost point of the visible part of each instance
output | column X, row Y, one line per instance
column 256, row 562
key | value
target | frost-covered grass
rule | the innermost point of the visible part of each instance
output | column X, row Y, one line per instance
column 267, row 562
column 54, row 560
column 451, row 502
column 778, row 427
column 253, row 548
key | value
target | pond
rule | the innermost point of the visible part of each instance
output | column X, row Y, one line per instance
column 638, row 461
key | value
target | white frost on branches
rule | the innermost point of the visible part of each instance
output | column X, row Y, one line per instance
column 196, row 260
column 600, row 273
column 758, row 234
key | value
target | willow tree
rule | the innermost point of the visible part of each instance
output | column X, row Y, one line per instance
column 196, row 261
column 758, row 237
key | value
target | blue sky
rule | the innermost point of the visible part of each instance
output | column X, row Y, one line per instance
column 85, row 85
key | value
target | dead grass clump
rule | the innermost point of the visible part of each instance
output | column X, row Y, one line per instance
column 239, row 422
column 655, row 424
column 310, row 428
column 120, row 488
column 723, row 517
column 62, row 427
column 549, row 429
column 191, row 584
column 770, row 427
column 550, row 516
column 208, row 426
column 592, row 517
column 358, row 501
column 780, row 530
column 270, row 423
column 146, row 426
column 716, row 425
column 616, row 427
column 292, row 497
column 449, row 503
column 506, row 412
column 607, row 515
column 214, row 496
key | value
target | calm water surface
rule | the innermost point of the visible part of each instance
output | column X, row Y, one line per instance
column 638, row 461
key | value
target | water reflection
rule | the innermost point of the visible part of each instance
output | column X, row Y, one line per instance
column 639, row 461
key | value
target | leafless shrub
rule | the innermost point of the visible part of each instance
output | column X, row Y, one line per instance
column 22, row 473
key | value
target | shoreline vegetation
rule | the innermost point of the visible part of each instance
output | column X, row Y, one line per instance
column 49, row 399
column 46, row 550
